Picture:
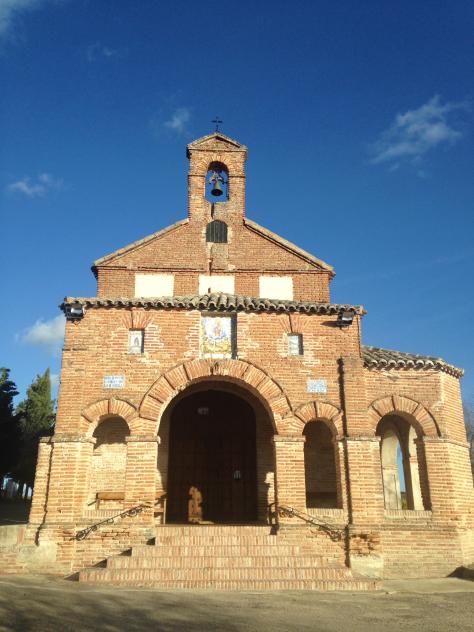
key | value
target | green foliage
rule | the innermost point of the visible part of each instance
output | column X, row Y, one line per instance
column 9, row 424
column 469, row 421
column 36, row 415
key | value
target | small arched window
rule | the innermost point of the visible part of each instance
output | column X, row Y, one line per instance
column 216, row 232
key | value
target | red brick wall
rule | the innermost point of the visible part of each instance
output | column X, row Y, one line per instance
column 183, row 249
column 70, row 470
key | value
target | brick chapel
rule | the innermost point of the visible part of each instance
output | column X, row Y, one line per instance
column 221, row 422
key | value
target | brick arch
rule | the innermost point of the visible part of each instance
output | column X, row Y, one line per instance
column 243, row 373
column 320, row 410
column 93, row 413
column 422, row 419
column 200, row 164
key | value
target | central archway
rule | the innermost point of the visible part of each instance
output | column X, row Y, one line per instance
column 212, row 462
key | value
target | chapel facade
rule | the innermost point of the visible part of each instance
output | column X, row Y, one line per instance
column 214, row 404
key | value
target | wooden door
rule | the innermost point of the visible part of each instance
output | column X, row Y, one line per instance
column 213, row 451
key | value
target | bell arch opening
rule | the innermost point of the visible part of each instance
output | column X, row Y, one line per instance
column 216, row 459
column 404, row 474
column 217, row 183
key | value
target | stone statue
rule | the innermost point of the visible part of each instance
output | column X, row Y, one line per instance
column 194, row 505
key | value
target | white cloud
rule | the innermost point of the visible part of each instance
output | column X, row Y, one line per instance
column 98, row 50
column 43, row 184
column 48, row 334
column 178, row 121
column 416, row 132
column 10, row 10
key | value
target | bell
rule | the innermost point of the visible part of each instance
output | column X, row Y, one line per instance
column 216, row 189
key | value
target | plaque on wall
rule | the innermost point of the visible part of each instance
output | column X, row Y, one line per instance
column 114, row 381
column 317, row 386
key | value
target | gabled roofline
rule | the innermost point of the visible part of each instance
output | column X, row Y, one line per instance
column 139, row 242
column 195, row 144
column 265, row 232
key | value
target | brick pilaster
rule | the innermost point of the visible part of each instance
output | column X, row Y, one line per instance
column 354, row 396
column 140, row 479
column 450, row 481
column 69, row 477
column 341, row 475
column 40, row 489
column 290, row 475
column 365, row 498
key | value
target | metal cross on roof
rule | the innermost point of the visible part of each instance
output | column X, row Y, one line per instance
column 217, row 121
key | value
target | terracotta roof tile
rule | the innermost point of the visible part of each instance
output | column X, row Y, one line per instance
column 218, row 302
column 376, row 358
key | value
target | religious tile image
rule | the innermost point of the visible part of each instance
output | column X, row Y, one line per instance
column 216, row 336
column 135, row 341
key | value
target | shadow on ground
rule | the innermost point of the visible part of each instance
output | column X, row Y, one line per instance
column 33, row 603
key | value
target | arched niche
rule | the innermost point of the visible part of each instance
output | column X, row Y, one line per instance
column 321, row 469
column 109, row 462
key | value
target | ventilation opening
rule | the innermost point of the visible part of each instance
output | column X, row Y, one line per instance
column 216, row 232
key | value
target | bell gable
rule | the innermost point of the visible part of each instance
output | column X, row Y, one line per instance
column 215, row 238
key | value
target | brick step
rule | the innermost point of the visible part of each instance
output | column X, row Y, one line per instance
column 352, row 585
column 178, row 550
column 230, row 557
column 159, row 575
column 184, row 529
column 215, row 561
column 200, row 540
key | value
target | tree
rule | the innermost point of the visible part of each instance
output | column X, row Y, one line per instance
column 9, row 426
column 36, row 414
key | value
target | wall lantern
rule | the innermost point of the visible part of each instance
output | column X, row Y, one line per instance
column 75, row 311
column 345, row 318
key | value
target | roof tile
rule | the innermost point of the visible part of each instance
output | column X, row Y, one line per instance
column 377, row 358
column 217, row 302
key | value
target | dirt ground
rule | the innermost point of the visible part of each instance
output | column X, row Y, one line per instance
column 40, row 603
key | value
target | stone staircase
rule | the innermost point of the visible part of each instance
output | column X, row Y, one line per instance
column 232, row 557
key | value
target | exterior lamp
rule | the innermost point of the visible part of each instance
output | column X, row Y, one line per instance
column 345, row 318
column 75, row 311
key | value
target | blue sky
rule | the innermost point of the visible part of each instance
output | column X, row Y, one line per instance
column 359, row 120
